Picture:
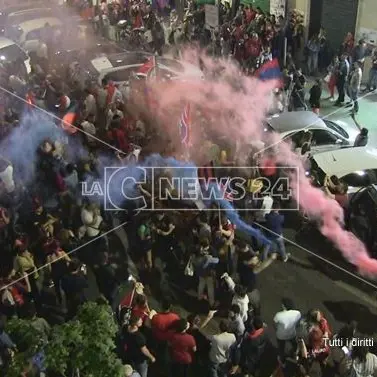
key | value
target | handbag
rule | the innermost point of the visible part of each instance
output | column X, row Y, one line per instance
column 189, row 269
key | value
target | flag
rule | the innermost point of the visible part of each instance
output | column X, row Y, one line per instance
column 269, row 71
column 185, row 125
column 69, row 119
column 148, row 66
column 30, row 100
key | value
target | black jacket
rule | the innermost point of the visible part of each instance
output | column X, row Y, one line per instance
column 252, row 350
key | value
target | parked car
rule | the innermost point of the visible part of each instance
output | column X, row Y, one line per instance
column 327, row 134
column 17, row 6
column 11, row 52
column 120, row 67
column 29, row 33
column 18, row 17
column 357, row 167
column 361, row 217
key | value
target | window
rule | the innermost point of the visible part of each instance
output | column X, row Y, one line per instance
column 357, row 179
column 119, row 76
column 296, row 138
column 165, row 74
column 323, row 137
column 336, row 128
column 34, row 35
column 12, row 53
column 170, row 63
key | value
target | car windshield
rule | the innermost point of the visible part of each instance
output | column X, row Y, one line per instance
column 267, row 127
column 12, row 53
column 171, row 64
column 335, row 127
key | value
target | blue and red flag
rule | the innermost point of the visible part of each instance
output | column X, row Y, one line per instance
column 185, row 125
column 269, row 71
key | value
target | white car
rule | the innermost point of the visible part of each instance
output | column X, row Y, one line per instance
column 327, row 134
column 120, row 67
column 16, row 18
column 11, row 52
column 355, row 166
column 29, row 33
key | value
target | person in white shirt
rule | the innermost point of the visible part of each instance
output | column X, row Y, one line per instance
column 90, row 130
column 90, row 104
column 219, row 353
column 91, row 219
column 265, row 209
column 6, row 175
column 242, row 300
column 285, row 323
column 364, row 363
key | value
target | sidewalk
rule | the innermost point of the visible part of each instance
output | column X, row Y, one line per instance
column 366, row 116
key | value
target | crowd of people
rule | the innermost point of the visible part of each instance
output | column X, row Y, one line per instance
column 52, row 238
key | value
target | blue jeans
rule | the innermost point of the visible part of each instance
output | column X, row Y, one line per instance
column 277, row 246
column 312, row 63
column 142, row 368
column 354, row 95
column 217, row 370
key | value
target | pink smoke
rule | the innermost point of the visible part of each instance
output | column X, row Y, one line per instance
column 235, row 107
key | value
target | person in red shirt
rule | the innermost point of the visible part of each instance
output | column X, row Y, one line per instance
column 162, row 322
column 249, row 14
column 253, row 48
column 182, row 348
column 117, row 135
column 162, row 325
column 316, row 316
column 141, row 308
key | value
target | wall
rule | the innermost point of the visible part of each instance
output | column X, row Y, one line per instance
column 338, row 18
column 366, row 24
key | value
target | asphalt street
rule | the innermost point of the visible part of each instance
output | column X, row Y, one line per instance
column 316, row 275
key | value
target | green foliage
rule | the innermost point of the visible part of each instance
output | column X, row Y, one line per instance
column 61, row 349
column 28, row 341
column 86, row 344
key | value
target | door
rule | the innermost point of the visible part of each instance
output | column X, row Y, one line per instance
column 315, row 20
column 338, row 18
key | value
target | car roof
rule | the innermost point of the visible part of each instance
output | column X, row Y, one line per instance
column 295, row 120
column 39, row 23
column 4, row 42
column 20, row 7
column 29, row 10
column 341, row 162
column 119, row 60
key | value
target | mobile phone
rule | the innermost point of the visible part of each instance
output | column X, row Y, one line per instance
column 346, row 350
